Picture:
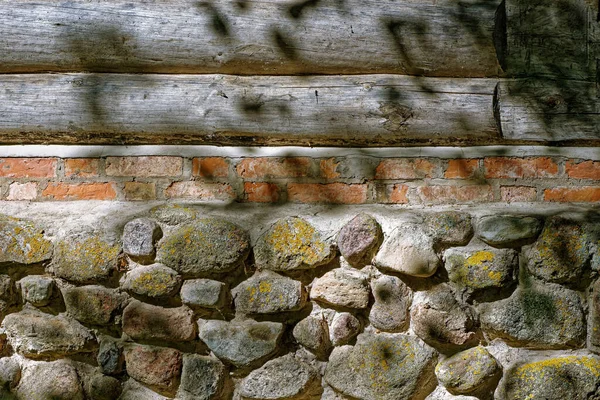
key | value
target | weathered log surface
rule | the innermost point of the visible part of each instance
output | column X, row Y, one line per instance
column 247, row 37
column 357, row 110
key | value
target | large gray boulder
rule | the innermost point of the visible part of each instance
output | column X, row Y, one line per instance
column 508, row 230
column 202, row 378
column 267, row 292
column 139, row 239
column 342, row 287
column 392, row 300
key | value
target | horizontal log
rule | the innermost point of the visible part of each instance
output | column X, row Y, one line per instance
column 248, row 37
column 549, row 111
column 357, row 110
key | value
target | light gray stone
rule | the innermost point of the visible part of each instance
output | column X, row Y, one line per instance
column 56, row 380
column 208, row 246
column 473, row 371
column 22, row 242
column 139, row 239
column 508, row 230
column 36, row 289
column 359, row 240
column 341, row 288
column 392, row 300
column 154, row 280
column 408, row 250
column 449, row 228
column 267, row 292
column 38, row 335
column 173, row 214
column 242, row 343
column 344, row 328
column 10, row 373
column 537, row 316
column 313, row 334
column 93, row 304
column 143, row 321
column 202, row 378
column 133, row 390
column 205, row 293
column 102, row 387
column 284, row 378
column 383, row 366
column 291, row 244
column 440, row 393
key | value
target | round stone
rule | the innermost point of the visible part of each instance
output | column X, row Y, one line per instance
column 472, row 371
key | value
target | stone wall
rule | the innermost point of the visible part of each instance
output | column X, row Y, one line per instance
column 107, row 300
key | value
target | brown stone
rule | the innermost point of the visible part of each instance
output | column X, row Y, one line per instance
column 147, row 322
column 157, row 367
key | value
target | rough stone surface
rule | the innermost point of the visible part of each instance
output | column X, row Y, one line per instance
column 443, row 322
column 34, row 334
column 241, row 343
column 93, row 304
column 359, row 240
column 85, row 258
column 7, row 294
column 383, row 367
column 22, row 242
column 449, row 228
column 139, row 239
column 313, row 334
column 56, row 380
column 267, row 292
column 478, row 268
column 538, row 316
column 173, row 214
column 109, row 358
column 392, row 300
column 157, row 367
column 154, row 280
column 344, row 328
column 36, row 289
column 204, row 293
column 572, row 377
column 561, row 253
column 508, row 230
column 147, row 322
column 408, row 250
column 440, row 393
column 342, row 288
column 284, row 378
column 133, row 390
column 291, row 244
column 10, row 373
column 594, row 304
column 470, row 371
column 208, row 246
column 102, row 387
column 202, row 378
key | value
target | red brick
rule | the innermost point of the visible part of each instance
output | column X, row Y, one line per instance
column 336, row 193
column 27, row 167
column 329, row 168
column 398, row 194
column 405, row 168
column 80, row 191
column 81, row 167
column 573, row 194
column 144, row 166
column 455, row 194
column 583, row 170
column 265, row 167
column 261, row 192
column 513, row 194
column 139, row 191
column 533, row 167
column 200, row 190
column 210, row 167
column 462, row 168
column 22, row 191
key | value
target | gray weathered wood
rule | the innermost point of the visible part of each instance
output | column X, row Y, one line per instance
column 359, row 110
column 249, row 37
column 549, row 111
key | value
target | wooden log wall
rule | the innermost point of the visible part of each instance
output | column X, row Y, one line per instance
column 316, row 72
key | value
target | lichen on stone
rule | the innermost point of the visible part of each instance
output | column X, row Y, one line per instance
column 22, row 242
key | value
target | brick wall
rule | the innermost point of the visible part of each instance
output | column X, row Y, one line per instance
column 335, row 180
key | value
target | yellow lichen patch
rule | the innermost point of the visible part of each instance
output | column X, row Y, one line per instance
column 22, row 242
column 295, row 236
column 541, row 368
column 479, row 258
column 87, row 259
column 264, row 287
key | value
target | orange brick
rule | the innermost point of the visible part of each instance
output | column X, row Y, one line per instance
column 200, row 190
column 80, row 191
column 139, row 191
column 405, row 168
column 265, row 167
column 81, row 167
column 533, row 167
column 260, row 192
column 583, row 170
column 398, row 194
column 27, row 167
column 210, row 167
column 146, row 166
column 513, row 194
column 455, row 194
column 462, row 168
column 329, row 168
column 335, row 193
column 573, row 194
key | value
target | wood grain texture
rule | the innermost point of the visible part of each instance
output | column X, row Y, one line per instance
column 357, row 110
column 248, row 37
